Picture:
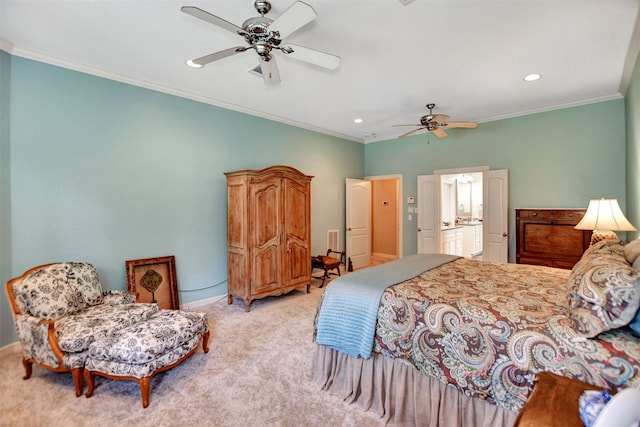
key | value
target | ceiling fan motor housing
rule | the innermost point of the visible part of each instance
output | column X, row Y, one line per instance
column 263, row 7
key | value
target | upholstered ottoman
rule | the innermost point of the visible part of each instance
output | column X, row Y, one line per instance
column 140, row 351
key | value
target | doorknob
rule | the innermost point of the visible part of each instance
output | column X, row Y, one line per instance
column 348, row 229
column 419, row 230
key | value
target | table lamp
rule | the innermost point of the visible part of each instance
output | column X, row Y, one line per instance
column 604, row 217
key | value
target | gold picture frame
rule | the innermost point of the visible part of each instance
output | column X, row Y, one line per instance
column 154, row 280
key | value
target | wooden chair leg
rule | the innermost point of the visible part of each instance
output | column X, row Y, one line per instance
column 28, row 368
column 144, row 389
column 324, row 277
column 205, row 342
column 91, row 384
column 77, row 375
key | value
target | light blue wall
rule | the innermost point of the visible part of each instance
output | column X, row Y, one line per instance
column 96, row 170
column 557, row 159
column 5, row 193
column 104, row 172
column 632, row 102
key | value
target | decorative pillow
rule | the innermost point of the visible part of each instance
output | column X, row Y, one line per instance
column 47, row 293
column 604, row 292
column 605, row 247
column 632, row 250
column 85, row 278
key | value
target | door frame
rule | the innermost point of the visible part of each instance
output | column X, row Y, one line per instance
column 399, row 203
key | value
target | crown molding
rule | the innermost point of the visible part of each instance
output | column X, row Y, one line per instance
column 134, row 81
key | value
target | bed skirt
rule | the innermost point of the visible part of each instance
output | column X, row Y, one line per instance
column 400, row 394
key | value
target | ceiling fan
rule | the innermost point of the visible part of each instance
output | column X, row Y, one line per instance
column 263, row 35
column 437, row 123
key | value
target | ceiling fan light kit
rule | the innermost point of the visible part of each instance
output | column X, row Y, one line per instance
column 435, row 123
column 264, row 35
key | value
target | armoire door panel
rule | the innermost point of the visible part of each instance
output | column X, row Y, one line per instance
column 266, row 213
column 237, row 196
column 296, row 212
column 266, row 270
column 298, row 263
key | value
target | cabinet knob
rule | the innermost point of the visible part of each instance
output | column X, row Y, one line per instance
column 288, row 250
column 419, row 230
column 504, row 234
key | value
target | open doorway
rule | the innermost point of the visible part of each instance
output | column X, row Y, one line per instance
column 386, row 217
column 461, row 210
column 360, row 205
column 495, row 219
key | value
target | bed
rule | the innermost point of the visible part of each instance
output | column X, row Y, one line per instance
column 460, row 342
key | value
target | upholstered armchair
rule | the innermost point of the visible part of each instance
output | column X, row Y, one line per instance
column 60, row 309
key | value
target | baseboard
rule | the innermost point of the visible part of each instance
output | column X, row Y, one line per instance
column 385, row 256
column 201, row 303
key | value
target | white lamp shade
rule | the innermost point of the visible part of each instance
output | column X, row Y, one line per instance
column 604, row 214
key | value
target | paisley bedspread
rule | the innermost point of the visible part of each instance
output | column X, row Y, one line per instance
column 489, row 328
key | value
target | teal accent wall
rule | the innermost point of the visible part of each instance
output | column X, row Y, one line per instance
column 103, row 172
column 556, row 159
column 6, row 323
column 632, row 102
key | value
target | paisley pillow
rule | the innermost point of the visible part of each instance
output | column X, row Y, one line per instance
column 604, row 291
column 632, row 251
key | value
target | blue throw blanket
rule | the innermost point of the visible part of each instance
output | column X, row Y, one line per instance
column 349, row 308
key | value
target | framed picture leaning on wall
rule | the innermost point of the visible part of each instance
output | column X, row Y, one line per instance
column 154, row 280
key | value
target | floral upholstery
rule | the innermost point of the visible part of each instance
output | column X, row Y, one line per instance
column 46, row 293
column 141, row 349
column 59, row 290
column 77, row 331
column 66, row 323
column 84, row 278
column 33, row 335
column 67, row 299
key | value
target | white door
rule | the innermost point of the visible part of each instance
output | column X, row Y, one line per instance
column 358, row 206
column 428, row 217
column 495, row 223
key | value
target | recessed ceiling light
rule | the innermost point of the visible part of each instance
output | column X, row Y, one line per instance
column 190, row 63
column 532, row 77
column 358, row 120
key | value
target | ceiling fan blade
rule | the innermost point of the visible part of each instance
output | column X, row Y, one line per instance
column 439, row 132
column 206, row 16
column 467, row 125
column 204, row 60
column 314, row 57
column 411, row 132
column 439, row 118
column 270, row 72
column 295, row 17
column 417, row 124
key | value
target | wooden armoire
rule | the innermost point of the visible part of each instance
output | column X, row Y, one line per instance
column 268, row 232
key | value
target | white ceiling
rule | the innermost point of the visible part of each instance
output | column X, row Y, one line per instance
column 468, row 57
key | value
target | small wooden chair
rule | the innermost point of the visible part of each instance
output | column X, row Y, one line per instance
column 327, row 263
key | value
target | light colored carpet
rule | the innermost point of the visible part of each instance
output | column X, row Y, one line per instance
column 257, row 373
